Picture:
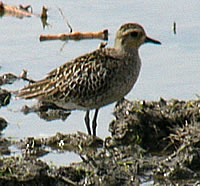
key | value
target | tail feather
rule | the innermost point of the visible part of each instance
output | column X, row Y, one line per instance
column 36, row 90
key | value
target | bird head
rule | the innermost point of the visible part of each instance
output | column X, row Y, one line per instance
column 132, row 36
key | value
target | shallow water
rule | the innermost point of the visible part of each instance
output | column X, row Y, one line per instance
column 169, row 71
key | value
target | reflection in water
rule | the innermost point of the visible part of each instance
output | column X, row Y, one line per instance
column 47, row 111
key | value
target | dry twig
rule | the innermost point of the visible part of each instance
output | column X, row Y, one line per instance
column 14, row 11
column 77, row 36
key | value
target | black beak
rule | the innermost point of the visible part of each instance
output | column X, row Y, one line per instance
column 150, row 40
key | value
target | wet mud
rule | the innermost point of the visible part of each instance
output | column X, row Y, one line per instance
column 155, row 142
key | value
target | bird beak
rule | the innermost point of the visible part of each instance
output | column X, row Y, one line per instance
column 150, row 40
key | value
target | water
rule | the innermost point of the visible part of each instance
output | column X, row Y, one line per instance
column 169, row 71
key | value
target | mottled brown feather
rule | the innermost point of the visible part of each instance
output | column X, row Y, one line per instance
column 95, row 79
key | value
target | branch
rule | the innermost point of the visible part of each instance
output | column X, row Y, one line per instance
column 14, row 11
column 77, row 36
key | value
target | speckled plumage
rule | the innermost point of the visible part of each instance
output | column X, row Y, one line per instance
column 95, row 79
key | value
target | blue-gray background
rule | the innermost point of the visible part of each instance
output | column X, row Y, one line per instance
column 169, row 71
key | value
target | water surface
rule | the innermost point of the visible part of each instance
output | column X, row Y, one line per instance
column 169, row 71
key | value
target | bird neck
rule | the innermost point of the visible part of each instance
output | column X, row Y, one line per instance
column 131, row 50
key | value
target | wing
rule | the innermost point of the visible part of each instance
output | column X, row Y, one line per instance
column 83, row 78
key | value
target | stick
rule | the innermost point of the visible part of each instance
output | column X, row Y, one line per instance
column 14, row 11
column 77, row 36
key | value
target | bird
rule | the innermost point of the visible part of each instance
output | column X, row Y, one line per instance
column 96, row 79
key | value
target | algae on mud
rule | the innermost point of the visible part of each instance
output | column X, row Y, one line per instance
column 156, row 141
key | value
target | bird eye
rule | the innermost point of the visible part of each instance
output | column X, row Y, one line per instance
column 134, row 34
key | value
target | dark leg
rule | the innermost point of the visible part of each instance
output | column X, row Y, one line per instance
column 94, row 122
column 87, row 122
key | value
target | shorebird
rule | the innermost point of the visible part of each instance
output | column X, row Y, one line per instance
column 96, row 79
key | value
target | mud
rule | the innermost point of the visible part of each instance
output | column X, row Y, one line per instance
column 151, row 142
column 4, row 97
column 8, row 78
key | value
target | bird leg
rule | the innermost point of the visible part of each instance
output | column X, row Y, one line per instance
column 87, row 121
column 94, row 122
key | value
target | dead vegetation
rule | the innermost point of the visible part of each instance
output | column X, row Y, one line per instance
column 77, row 36
column 14, row 11
column 155, row 141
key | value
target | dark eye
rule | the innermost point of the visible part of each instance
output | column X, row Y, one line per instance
column 134, row 34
